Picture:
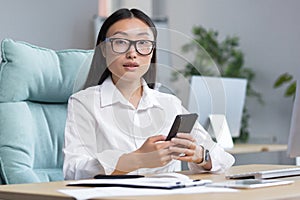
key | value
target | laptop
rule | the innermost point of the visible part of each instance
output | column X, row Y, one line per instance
column 266, row 174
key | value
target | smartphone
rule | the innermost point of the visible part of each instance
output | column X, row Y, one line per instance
column 182, row 124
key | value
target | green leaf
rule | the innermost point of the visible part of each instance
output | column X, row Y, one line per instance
column 283, row 78
column 290, row 90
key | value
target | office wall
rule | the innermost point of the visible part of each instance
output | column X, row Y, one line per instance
column 269, row 34
column 56, row 24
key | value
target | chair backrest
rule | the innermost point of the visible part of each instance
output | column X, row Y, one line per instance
column 35, row 84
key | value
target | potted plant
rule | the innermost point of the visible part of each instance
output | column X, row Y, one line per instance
column 229, row 61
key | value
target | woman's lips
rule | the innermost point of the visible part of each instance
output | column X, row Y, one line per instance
column 130, row 66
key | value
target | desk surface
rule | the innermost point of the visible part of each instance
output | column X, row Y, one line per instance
column 49, row 190
column 256, row 148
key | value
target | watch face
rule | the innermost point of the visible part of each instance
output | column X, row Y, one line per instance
column 206, row 158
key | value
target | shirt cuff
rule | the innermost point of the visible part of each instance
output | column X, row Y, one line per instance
column 109, row 159
column 221, row 160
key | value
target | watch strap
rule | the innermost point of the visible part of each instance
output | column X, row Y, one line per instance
column 205, row 157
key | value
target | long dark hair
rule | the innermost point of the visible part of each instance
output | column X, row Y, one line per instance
column 99, row 65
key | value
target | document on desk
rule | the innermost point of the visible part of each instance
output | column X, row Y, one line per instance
column 139, row 187
column 146, row 182
column 106, row 192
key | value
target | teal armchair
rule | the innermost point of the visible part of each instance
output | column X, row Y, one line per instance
column 35, row 84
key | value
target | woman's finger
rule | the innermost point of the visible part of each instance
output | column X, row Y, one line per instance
column 164, row 144
column 187, row 143
column 186, row 136
column 183, row 158
column 185, row 151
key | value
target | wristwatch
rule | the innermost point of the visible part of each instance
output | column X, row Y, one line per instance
column 205, row 157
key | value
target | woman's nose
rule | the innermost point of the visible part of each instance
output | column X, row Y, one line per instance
column 131, row 53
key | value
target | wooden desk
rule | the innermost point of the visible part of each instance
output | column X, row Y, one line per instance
column 256, row 148
column 49, row 190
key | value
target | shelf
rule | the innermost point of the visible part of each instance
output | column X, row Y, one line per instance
column 256, row 148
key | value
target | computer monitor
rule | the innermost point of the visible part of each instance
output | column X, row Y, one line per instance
column 218, row 95
column 294, row 136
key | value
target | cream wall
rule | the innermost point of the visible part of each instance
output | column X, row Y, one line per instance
column 57, row 24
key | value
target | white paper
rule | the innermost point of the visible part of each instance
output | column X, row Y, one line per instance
column 150, row 182
column 103, row 192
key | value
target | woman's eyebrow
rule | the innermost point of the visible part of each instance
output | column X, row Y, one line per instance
column 144, row 33
column 126, row 34
column 120, row 32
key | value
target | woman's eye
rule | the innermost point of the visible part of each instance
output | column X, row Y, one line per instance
column 120, row 42
column 143, row 42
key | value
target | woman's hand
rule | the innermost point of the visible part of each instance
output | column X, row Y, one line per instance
column 184, row 144
column 154, row 152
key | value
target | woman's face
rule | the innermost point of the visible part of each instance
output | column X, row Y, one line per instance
column 128, row 65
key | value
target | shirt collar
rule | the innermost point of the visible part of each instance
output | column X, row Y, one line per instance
column 110, row 95
column 149, row 98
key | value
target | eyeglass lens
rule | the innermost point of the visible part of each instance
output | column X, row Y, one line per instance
column 143, row 47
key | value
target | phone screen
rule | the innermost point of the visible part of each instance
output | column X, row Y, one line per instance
column 182, row 124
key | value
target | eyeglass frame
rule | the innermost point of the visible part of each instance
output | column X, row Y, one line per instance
column 131, row 42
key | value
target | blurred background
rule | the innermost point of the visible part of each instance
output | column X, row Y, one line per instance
column 268, row 32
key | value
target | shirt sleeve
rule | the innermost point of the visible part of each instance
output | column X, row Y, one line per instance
column 221, row 160
column 81, row 159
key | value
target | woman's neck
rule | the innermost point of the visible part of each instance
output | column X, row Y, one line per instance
column 131, row 90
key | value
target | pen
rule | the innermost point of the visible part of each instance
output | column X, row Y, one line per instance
column 125, row 176
column 197, row 182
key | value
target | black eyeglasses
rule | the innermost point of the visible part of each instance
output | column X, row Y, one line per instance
column 120, row 45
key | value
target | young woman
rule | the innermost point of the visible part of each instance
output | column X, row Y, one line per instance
column 118, row 125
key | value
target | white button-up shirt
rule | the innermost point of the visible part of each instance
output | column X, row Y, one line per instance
column 102, row 125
